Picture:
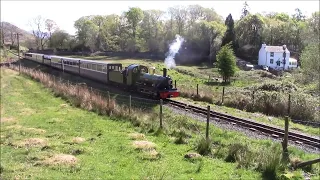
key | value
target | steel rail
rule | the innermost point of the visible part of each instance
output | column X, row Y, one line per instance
column 254, row 126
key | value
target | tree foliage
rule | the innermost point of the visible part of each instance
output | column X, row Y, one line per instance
column 229, row 35
column 204, row 31
column 226, row 62
column 310, row 61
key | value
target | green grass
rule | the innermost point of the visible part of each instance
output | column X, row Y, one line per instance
column 7, row 55
column 188, row 76
column 107, row 152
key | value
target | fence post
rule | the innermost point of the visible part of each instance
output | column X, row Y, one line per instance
column 253, row 97
column 289, row 104
column 285, row 154
column 208, row 118
column 130, row 104
column 197, row 89
column 175, row 83
column 222, row 98
column 108, row 98
column 161, row 102
column 90, row 93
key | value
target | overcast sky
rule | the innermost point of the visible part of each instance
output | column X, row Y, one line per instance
column 65, row 13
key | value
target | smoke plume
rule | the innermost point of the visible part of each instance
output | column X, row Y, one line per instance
column 173, row 50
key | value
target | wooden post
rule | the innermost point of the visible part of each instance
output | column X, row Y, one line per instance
column 302, row 164
column 90, row 93
column 289, row 104
column 285, row 154
column 175, row 83
column 208, row 118
column 161, row 102
column 222, row 98
column 130, row 104
column 18, row 43
column 253, row 97
column 197, row 89
column 108, row 98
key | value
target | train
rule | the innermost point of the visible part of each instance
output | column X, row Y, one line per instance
column 134, row 78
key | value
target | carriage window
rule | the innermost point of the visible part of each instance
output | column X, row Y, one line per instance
column 94, row 67
column 99, row 67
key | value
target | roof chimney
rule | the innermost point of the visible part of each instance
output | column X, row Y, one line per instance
column 264, row 45
column 284, row 47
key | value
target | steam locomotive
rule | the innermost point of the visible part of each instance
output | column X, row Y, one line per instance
column 135, row 77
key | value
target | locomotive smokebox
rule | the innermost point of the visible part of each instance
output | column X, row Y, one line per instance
column 164, row 72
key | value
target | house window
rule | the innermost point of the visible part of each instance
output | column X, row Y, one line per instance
column 272, row 55
column 271, row 61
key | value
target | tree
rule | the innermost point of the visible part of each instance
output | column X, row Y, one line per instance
column 38, row 25
column 226, row 62
column 245, row 10
column 86, row 32
column 214, row 32
column 51, row 26
column 59, row 39
column 310, row 62
column 134, row 16
column 229, row 35
column 299, row 15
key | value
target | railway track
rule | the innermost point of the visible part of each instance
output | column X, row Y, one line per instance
column 254, row 126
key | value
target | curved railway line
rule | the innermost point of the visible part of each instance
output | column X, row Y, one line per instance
column 252, row 125
column 274, row 131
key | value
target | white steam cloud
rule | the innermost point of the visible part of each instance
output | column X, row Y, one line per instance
column 173, row 50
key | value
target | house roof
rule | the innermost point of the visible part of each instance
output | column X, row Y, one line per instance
column 275, row 49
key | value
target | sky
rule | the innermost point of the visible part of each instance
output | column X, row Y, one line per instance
column 65, row 13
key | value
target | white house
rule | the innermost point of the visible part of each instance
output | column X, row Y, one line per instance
column 277, row 57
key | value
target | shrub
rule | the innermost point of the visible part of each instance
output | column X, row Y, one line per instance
column 203, row 146
column 270, row 161
column 241, row 154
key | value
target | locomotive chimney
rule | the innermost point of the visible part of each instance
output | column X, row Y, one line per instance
column 164, row 72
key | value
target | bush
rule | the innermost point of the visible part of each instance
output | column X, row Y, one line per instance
column 270, row 161
column 241, row 154
column 203, row 146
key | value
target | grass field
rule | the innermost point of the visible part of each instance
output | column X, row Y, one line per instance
column 41, row 137
column 188, row 76
column 45, row 137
